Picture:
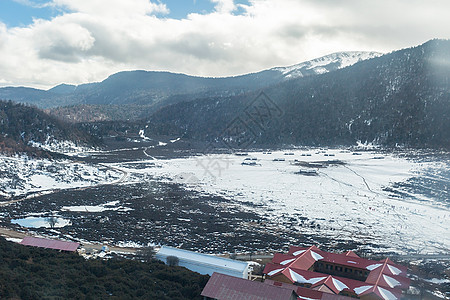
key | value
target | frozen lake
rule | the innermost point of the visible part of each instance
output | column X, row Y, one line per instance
column 388, row 200
column 41, row 222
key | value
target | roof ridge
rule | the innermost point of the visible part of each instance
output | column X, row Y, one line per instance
column 381, row 272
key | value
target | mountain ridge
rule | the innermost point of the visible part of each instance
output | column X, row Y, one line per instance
column 151, row 87
column 326, row 63
column 401, row 98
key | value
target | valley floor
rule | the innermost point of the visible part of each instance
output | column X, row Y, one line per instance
column 260, row 201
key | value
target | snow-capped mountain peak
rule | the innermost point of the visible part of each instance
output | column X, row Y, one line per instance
column 326, row 63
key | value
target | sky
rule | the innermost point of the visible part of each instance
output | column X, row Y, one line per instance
column 47, row 42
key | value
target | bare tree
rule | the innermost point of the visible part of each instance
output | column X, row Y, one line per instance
column 258, row 269
column 146, row 254
column 52, row 221
column 172, row 261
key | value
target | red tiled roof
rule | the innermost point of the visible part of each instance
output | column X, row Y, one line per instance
column 299, row 257
column 272, row 269
column 49, row 244
column 326, row 296
column 295, row 251
column 349, row 261
column 301, row 291
column 383, row 277
column 383, row 293
column 351, row 254
column 281, row 258
column 225, row 287
column 386, row 279
column 305, row 293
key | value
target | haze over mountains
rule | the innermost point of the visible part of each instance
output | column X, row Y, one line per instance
column 148, row 87
column 401, row 98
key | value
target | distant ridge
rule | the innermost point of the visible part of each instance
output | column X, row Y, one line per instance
column 326, row 63
column 155, row 88
column 398, row 99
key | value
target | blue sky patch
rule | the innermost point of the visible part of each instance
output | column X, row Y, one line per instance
column 16, row 13
column 180, row 9
column 21, row 12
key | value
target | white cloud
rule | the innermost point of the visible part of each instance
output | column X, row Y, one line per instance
column 31, row 3
column 67, row 42
column 113, row 8
column 95, row 38
column 224, row 6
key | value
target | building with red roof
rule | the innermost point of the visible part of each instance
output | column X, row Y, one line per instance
column 344, row 274
column 50, row 244
column 307, row 294
column 226, row 287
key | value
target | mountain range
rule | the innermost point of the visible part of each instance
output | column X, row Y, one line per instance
column 155, row 88
column 400, row 98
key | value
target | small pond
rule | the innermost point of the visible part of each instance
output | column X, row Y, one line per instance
column 38, row 222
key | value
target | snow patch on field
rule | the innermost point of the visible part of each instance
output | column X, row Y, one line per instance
column 129, row 244
column 64, row 147
column 21, row 175
column 345, row 200
column 14, row 240
column 110, row 206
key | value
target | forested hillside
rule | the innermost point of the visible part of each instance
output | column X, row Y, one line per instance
column 21, row 126
column 402, row 98
column 33, row 273
column 151, row 88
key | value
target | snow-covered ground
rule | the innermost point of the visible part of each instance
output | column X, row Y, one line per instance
column 64, row 147
column 397, row 203
column 348, row 201
column 113, row 205
column 21, row 175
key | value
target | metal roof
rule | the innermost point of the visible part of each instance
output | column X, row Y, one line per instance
column 225, row 287
column 49, row 244
column 204, row 259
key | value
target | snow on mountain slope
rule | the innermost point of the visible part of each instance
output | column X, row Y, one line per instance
column 326, row 63
column 21, row 175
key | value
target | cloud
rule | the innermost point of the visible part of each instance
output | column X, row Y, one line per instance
column 113, row 8
column 95, row 38
column 68, row 42
column 33, row 4
column 224, row 6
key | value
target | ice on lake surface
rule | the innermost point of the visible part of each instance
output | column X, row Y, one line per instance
column 383, row 199
column 41, row 222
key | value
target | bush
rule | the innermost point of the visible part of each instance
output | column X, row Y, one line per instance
column 34, row 273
